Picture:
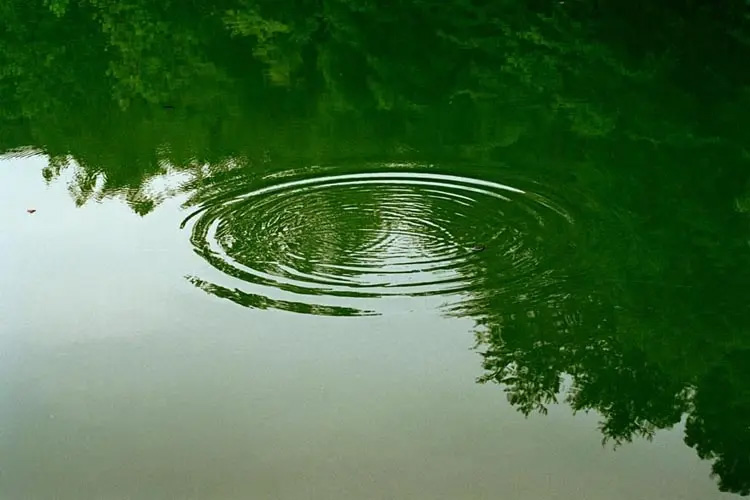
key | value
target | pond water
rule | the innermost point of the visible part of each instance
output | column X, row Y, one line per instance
column 429, row 250
column 371, row 241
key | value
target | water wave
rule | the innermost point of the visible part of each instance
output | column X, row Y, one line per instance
column 326, row 241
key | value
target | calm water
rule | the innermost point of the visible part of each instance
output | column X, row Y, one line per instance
column 335, row 250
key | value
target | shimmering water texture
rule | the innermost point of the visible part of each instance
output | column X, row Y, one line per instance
column 325, row 241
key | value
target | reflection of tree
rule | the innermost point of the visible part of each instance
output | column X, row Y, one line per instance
column 638, row 103
column 646, row 318
column 718, row 426
column 188, row 85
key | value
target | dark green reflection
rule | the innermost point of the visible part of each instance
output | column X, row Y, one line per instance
column 623, row 121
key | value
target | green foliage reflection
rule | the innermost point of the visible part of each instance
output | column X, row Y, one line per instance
column 633, row 110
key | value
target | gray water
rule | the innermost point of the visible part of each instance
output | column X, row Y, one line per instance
column 122, row 380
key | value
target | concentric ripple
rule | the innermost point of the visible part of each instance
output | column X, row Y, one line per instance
column 336, row 243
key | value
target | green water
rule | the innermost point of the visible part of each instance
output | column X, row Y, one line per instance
column 418, row 249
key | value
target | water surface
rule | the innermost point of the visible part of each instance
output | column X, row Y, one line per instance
column 293, row 250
